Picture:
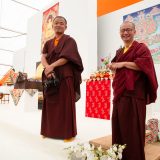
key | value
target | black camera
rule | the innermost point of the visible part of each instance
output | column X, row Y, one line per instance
column 52, row 82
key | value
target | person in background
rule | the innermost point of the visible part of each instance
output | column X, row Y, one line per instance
column 134, row 86
column 61, row 79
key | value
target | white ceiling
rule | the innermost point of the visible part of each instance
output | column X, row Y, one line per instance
column 14, row 15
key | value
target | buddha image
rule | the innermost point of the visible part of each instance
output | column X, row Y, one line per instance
column 48, row 30
column 39, row 71
column 47, row 21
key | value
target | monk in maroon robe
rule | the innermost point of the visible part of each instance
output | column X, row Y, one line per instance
column 134, row 86
column 62, row 61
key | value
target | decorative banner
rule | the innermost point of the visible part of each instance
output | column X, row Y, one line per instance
column 147, row 23
column 98, row 94
column 47, row 30
column 13, row 77
column 9, row 78
column 16, row 95
column 31, row 92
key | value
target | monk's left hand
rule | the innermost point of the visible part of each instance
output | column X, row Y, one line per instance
column 48, row 70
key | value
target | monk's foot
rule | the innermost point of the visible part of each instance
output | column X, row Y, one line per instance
column 69, row 139
column 43, row 136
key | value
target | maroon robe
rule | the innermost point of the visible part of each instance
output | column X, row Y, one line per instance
column 58, row 112
column 132, row 90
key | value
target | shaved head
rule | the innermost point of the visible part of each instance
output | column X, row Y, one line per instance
column 128, row 22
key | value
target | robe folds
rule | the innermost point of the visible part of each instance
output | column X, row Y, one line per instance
column 58, row 112
column 132, row 90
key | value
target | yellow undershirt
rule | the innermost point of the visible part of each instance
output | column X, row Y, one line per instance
column 56, row 42
column 126, row 48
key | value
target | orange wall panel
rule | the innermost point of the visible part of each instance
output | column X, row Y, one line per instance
column 107, row 6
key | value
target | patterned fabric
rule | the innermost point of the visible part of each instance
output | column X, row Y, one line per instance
column 31, row 92
column 21, row 77
column 16, row 95
column 152, row 125
column 98, row 99
column 149, row 136
column 13, row 77
column 158, row 136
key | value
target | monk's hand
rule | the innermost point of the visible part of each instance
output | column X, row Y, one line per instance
column 116, row 65
column 121, row 64
column 48, row 70
column 51, row 75
column 111, row 66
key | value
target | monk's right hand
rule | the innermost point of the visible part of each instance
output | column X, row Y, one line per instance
column 112, row 67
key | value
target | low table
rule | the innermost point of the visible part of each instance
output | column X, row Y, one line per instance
column 26, row 84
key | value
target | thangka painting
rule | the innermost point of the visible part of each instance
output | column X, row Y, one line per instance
column 47, row 30
column 147, row 23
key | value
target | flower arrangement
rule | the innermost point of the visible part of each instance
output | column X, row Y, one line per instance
column 105, row 60
column 90, row 152
column 100, row 75
column 103, row 72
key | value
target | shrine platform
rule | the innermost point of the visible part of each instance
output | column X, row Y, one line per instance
column 152, row 150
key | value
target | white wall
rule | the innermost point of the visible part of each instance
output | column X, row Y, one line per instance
column 33, row 48
column 108, row 34
column 82, row 26
column 19, row 60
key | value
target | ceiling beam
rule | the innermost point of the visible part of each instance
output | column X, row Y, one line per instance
column 6, row 65
column 11, row 30
column 26, row 5
column 1, row 49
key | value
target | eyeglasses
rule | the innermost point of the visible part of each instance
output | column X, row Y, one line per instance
column 127, row 30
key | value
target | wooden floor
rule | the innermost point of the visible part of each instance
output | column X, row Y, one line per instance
column 152, row 150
